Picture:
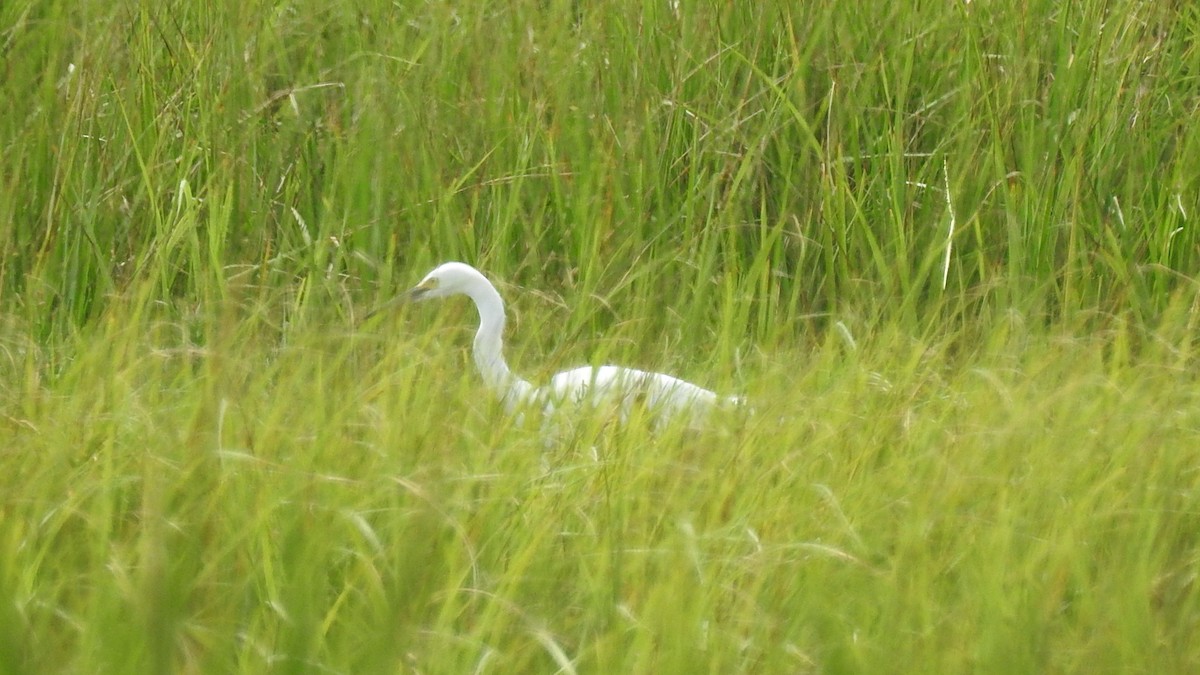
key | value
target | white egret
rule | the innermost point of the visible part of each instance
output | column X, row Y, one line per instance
column 663, row 396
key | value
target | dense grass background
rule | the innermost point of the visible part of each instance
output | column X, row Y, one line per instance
column 946, row 249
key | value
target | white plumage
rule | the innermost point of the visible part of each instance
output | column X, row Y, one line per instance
column 662, row 396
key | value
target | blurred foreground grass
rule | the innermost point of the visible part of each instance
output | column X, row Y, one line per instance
column 347, row 501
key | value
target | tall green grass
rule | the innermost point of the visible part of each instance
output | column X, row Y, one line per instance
column 946, row 251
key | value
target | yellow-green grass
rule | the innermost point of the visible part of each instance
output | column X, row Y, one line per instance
column 946, row 252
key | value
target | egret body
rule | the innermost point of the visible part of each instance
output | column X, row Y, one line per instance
column 662, row 395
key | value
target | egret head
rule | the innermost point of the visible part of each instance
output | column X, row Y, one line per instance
column 452, row 278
